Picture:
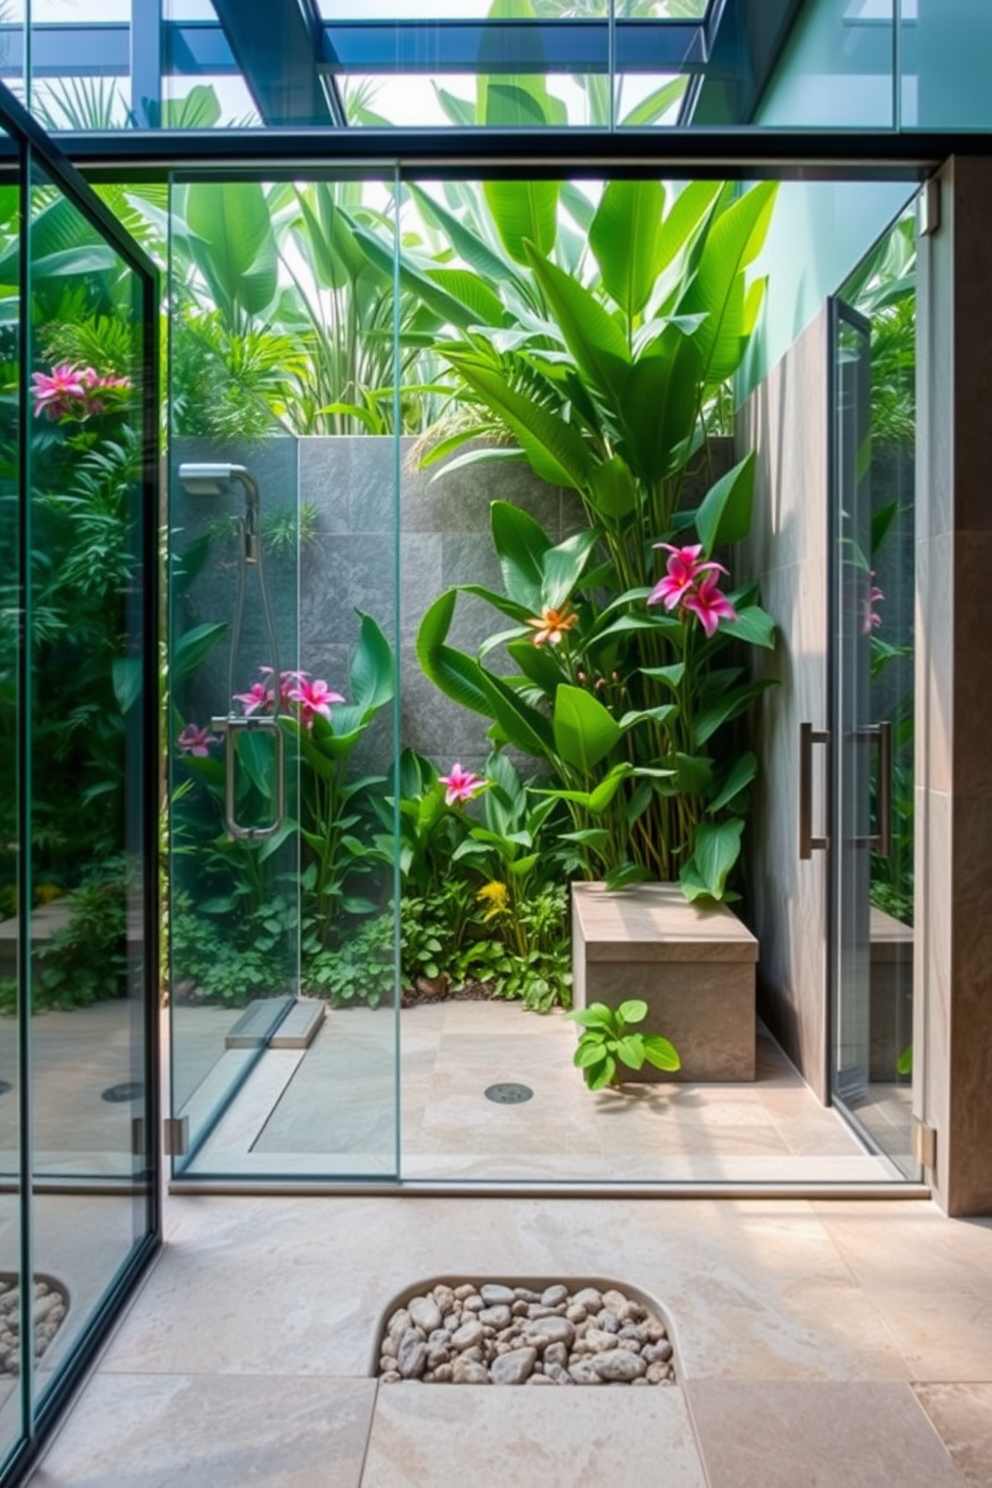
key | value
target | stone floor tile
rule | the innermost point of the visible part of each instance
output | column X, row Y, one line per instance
column 182, row 1431
column 786, row 1433
column 869, row 1233
column 530, row 1438
column 962, row 1416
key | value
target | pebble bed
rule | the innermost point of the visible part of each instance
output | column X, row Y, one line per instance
column 495, row 1334
column 50, row 1305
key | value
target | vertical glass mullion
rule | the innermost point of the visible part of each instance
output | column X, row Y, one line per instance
column 396, row 714
column 25, row 798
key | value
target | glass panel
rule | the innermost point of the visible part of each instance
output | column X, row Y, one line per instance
column 944, row 51
column 89, row 856
column 462, row 99
column 10, row 768
column 836, row 70
column 875, row 430
column 283, row 358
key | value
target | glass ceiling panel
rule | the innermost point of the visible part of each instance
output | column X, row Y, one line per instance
column 545, row 10
column 463, row 100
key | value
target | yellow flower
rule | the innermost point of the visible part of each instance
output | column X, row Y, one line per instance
column 552, row 625
column 494, row 895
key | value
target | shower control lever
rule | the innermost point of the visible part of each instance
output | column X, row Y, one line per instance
column 231, row 725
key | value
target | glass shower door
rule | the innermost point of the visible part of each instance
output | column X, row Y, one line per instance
column 872, row 949
column 283, row 633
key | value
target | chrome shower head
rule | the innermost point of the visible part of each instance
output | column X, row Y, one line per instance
column 210, row 479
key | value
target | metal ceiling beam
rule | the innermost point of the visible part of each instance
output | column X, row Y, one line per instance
column 276, row 44
column 719, row 153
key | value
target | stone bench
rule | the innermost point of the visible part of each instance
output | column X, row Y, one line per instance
column 693, row 966
column 890, row 1001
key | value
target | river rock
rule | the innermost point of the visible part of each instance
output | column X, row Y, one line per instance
column 556, row 1354
column 425, row 1313
column 525, row 1294
column 398, row 1324
column 589, row 1298
column 552, row 1329
column 411, row 1356
column 554, row 1296
column 658, row 1373
column 513, row 1368
column 619, row 1364
column 497, row 1296
column 467, row 1336
column 583, row 1373
column 469, row 1372
column 657, row 1353
column 495, row 1317
column 595, row 1341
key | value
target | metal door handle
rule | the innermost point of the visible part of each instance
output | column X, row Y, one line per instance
column 808, row 736
column 881, row 841
column 231, row 725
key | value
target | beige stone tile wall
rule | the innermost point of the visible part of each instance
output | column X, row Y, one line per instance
column 785, row 420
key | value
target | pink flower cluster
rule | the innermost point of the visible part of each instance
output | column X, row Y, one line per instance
column 461, row 784
column 870, row 618
column 73, row 392
column 692, row 586
column 310, row 696
column 194, row 740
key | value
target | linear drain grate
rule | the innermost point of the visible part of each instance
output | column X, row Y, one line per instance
column 506, row 1093
column 131, row 1090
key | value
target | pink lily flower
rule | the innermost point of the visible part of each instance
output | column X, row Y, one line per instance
column 313, row 697
column 684, row 570
column 56, row 394
column 709, row 605
column 461, row 784
column 287, row 680
column 258, row 698
column 194, row 740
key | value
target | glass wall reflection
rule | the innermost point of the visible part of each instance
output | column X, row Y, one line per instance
column 11, row 1234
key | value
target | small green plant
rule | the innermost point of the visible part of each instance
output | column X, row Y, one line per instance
column 360, row 970
column 606, row 1044
column 86, row 960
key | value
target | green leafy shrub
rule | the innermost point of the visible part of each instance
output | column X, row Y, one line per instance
column 606, row 1044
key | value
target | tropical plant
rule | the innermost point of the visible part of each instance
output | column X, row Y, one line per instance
column 283, row 320
column 607, row 1046
column 609, row 377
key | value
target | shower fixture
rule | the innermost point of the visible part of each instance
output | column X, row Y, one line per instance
column 213, row 480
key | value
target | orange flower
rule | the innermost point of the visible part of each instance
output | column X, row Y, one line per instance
column 552, row 625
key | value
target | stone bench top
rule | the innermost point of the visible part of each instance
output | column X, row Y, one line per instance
column 891, row 940
column 654, row 922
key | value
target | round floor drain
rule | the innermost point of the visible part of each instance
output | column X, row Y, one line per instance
column 131, row 1090
column 508, row 1094
column 5, row 1085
